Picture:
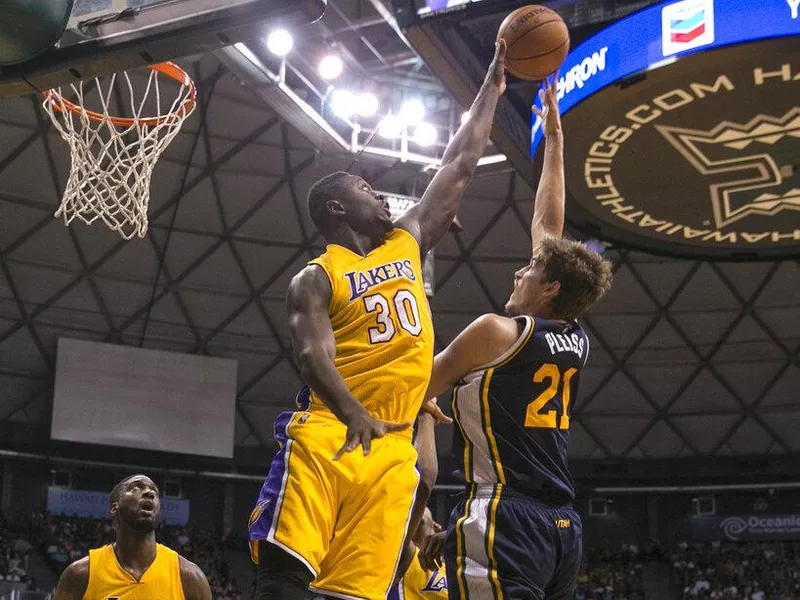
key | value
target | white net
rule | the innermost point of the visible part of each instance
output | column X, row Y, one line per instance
column 113, row 157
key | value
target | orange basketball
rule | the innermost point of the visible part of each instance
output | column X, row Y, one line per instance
column 537, row 42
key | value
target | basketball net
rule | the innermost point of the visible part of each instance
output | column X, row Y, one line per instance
column 113, row 157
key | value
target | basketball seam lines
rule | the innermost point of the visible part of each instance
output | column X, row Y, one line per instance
column 543, row 54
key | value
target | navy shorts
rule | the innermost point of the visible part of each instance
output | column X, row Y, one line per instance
column 502, row 545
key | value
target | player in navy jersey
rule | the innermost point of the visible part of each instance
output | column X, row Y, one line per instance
column 516, row 536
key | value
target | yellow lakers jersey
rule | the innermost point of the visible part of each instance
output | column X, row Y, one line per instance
column 107, row 579
column 382, row 324
column 418, row 584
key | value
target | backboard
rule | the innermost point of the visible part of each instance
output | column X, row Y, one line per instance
column 106, row 36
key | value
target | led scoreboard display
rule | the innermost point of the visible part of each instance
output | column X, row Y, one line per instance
column 663, row 33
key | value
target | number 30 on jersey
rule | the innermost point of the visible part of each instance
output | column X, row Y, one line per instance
column 405, row 312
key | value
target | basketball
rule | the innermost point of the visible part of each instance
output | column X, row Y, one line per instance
column 537, row 42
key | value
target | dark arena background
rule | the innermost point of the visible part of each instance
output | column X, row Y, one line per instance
column 170, row 355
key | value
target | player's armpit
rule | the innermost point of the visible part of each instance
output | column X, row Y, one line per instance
column 74, row 581
column 484, row 340
column 194, row 582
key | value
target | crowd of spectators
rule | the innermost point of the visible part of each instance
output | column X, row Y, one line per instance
column 612, row 574
column 65, row 539
column 14, row 556
column 738, row 571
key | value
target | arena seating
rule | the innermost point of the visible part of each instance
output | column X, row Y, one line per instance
column 14, row 555
column 611, row 574
column 746, row 570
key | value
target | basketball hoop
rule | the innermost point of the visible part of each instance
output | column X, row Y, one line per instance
column 113, row 157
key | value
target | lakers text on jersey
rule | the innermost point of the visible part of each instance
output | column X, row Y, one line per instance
column 107, row 579
column 419, row 584
column 382, row 325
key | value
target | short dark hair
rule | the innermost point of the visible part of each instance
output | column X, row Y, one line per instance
column 117, row 490
column 584, row 275
column 328, row 188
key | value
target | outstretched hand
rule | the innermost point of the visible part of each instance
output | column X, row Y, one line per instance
column 549, row 113
column 363, row 429
column 431, row 407
column 497, row 70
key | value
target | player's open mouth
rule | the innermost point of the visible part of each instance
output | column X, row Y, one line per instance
column 147, row 505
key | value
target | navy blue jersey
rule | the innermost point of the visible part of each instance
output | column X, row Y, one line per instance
column 513, row 414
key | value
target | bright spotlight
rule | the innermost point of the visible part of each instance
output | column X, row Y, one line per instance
column 367, row 104
column 343, row 103
column 425, row 134
column 413, row 111
column 391, row 127
column 280, row 42
column 330, row 67
column 464, row 117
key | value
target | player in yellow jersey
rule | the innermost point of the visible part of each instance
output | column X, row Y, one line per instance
column 363, row 339
column 134, row 567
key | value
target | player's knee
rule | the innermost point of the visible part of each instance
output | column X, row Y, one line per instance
column 280, row 575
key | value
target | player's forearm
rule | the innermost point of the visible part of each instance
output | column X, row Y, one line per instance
column 425, row 444
column 320, row 373
column 548, row 213
column 470, row 141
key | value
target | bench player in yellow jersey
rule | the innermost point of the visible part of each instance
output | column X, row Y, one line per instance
column 134, row 567
column 363, row 339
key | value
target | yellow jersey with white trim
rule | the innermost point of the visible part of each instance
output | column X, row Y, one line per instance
column 109, row 581
column 382, row 325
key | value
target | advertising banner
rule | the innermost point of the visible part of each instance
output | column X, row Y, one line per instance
column 746, row 528
column 81, row 503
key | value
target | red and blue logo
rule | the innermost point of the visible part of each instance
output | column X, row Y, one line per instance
column 687, row 24
column 688, row 29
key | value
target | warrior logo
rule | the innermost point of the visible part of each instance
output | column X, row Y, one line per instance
column 754, row 159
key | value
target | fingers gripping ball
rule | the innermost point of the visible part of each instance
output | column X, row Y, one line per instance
column 537, row 40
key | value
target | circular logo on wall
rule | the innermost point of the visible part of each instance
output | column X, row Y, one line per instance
column 698, row 158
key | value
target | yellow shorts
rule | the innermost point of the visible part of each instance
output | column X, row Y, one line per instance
column 345, row 520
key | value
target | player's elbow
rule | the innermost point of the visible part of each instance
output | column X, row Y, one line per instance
column 427, row 479
column 308, row 359
column 463, row 164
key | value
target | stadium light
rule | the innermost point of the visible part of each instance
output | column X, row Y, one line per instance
column 412, row 111
column 343, row 103
column 330, row 67
column 391, row 127
column 425, row 134
column 280, row 42
column 367, row 104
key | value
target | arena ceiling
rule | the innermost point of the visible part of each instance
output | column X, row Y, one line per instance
column 688, row 359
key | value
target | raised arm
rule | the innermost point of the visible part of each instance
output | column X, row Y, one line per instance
column 74, row 581
column 429, row 220
column 484, row 340
column 548, row 211
column 315, row 351
column 194, row 582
